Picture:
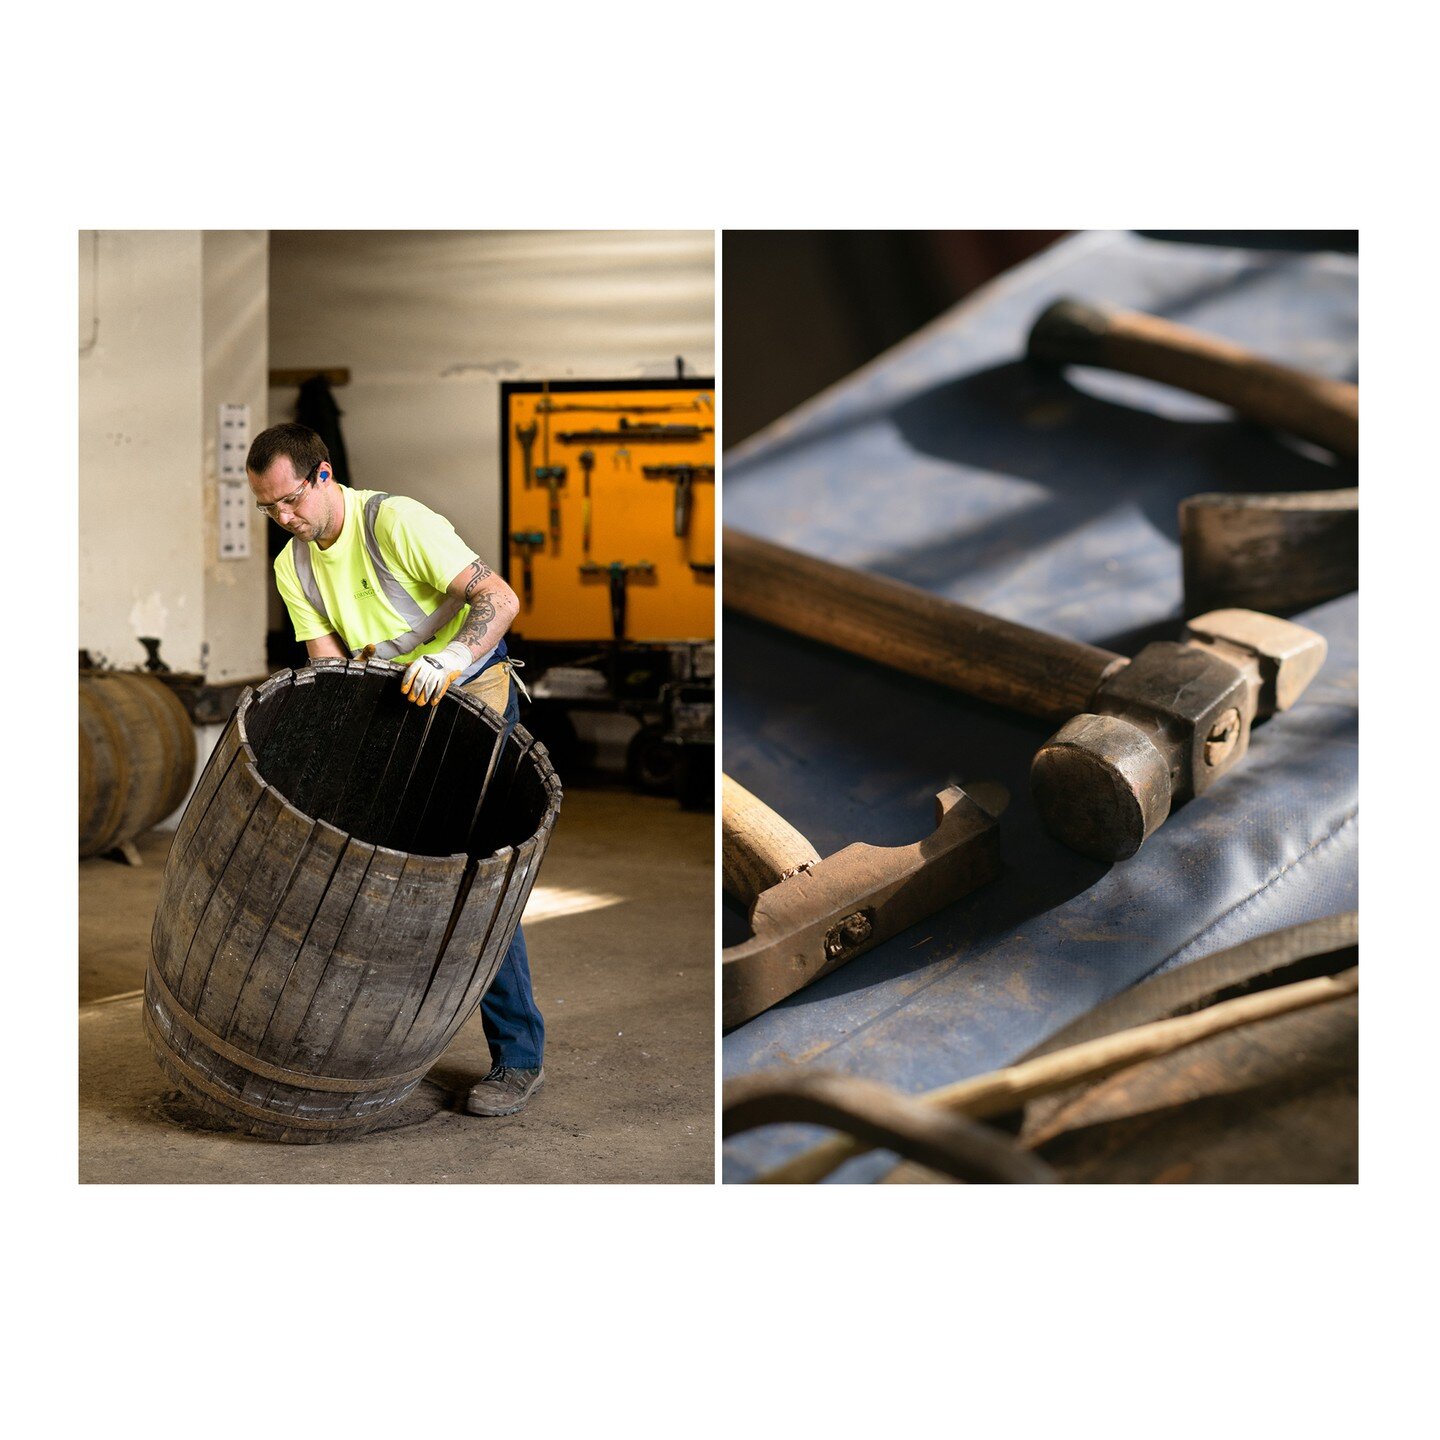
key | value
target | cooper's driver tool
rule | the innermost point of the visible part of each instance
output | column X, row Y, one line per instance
column 526, row 434
column 527, row 542
column 1139, row 736
column 619, row 574
column 1282, row 551
column 1217, row 1009
column 547, row 407
column 552, row 477
column 637, row 434
column 587, row 464
column 809, row 916
column 683, row 478
column 875, row 1116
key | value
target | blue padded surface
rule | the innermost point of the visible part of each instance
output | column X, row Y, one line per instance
column 949, row 464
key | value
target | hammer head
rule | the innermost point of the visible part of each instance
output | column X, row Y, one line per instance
column 1284, row 551
column 1166, row 727
column 1286, row 657
column 813, row 922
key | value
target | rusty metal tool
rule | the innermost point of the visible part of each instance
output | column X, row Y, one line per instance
column 683, row 477
column 552, row 477
column 1303, row 968
column 548, row 407
column 1139, row 737
column 527, row 542
column 876, row 1116
column 619, row 574
column 587, row 464
column 637, row 434
column 526, row 434
column 810, row 916
column 1274, row 551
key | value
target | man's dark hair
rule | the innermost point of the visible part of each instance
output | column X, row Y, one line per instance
column 299, row 443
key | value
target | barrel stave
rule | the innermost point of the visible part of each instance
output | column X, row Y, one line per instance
column 278, row 1043
column 188, row 885
column 253, row 914
column 231, row 875
column 400, row 967
column 284, row 942
column 349, row 963
column 478, row 914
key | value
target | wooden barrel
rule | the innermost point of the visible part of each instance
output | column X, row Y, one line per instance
column 137, row 756
column 340, row 893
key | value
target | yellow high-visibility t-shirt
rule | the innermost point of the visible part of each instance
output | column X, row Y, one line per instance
column 421, row 549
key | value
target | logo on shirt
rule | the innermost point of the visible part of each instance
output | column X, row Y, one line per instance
column 365, row 592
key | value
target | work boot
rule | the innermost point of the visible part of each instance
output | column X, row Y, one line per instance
column 503, row 1091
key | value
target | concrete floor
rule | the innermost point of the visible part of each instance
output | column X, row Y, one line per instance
column 626, row 987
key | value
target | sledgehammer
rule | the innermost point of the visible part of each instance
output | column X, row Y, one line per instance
column 1139, row 735
column 1277, row 551
column 810, row 916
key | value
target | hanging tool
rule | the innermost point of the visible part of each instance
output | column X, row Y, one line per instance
column 683, row 477
column 619, row 574
column 637, row 434
column 546, row 407
column 526, row 434
column 1280, row 551
column 810, row 916
column 527, row 542
column 587, row 464
column 552, row 477
column 1140, row 735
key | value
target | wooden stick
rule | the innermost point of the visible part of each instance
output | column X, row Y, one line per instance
column 912, row 630
column 757, row 848
column 1002, row 1091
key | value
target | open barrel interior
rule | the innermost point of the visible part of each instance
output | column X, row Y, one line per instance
column 343, row 745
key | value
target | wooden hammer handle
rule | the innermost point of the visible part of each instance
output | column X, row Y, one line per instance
column 1310, row 406
column 912, row 630
column 757, row 848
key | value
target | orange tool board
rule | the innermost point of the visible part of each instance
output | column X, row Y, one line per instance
column 631, row 517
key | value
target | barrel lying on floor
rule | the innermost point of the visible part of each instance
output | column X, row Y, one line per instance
column 137, row 757
column 342, row 888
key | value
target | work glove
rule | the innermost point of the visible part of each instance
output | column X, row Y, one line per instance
column 429, row 677
column 365, row 654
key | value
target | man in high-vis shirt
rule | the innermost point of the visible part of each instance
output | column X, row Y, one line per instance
column 366, row 569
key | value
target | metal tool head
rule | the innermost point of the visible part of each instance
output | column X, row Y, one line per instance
column 1166, row 727
column 1286, row 656
column 1285, row 551
column 813, row 922
column 1101, row 786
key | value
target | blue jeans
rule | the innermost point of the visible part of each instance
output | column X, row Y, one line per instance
column 513, row 1023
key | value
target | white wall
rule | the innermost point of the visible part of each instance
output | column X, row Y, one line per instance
column 141, row 571
column 170, row 323
column 236, row 316
column 430, row 322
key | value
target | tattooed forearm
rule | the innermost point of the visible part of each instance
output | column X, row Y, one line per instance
column 477, row 622
column 478, row 573
column 493, row 606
